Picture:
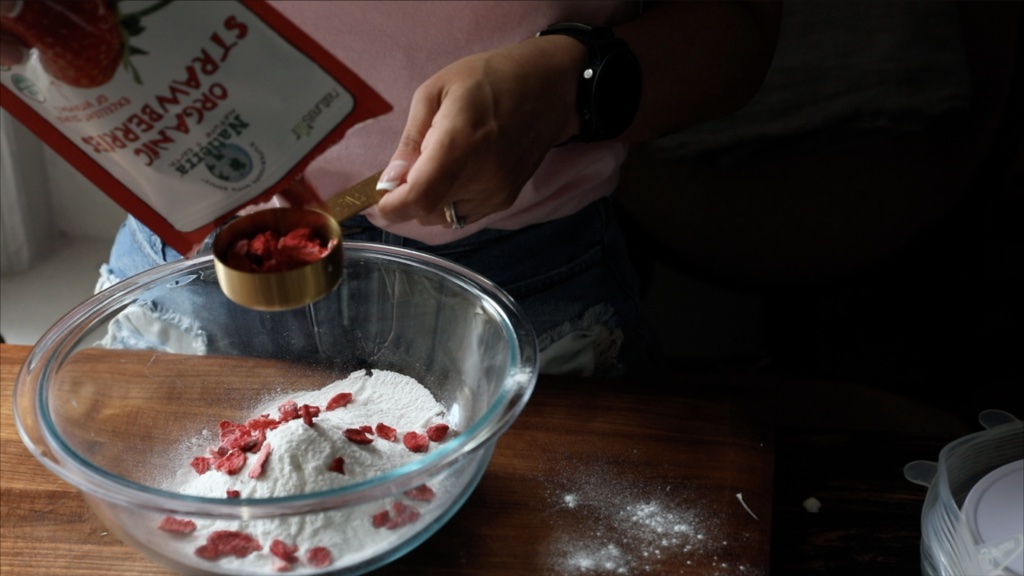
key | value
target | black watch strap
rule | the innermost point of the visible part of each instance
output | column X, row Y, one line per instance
column 608, row 92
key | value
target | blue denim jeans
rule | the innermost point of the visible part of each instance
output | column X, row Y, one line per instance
column 572, row 277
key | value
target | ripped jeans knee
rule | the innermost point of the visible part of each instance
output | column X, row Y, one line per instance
column 586, row 346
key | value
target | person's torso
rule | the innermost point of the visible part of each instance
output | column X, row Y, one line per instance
column 395, row 46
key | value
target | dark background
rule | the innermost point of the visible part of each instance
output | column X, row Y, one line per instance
column 872, row 272
column 888, row 258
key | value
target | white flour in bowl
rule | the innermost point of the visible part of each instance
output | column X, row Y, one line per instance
column 320, row 442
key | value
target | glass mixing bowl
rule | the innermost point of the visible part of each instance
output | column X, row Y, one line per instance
column 124, row 390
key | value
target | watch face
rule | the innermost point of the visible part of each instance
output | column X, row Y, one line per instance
column 608, row 95
column 616, row 92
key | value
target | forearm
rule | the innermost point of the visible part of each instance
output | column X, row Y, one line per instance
column 700, row 60
column 478, row 129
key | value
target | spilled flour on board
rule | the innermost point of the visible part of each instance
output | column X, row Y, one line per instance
column 604, row 526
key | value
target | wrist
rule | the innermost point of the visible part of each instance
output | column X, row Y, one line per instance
column 565, row 59
column 608, row 88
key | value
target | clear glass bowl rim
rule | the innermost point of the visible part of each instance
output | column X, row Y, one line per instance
column 60, row 340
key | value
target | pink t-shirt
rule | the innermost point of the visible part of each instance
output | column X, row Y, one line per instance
column 396, row 46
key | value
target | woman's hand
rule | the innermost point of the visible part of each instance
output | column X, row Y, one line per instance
column 478, row 129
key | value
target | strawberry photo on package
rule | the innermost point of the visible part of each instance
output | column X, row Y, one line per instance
column 171, row 108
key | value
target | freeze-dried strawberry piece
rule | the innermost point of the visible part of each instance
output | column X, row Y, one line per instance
column 367, row 428
column 233, row 435
column 339, row 400
column 228, row 428
column 421, row 493
column 437, row 432
column 404, row 515
column 301, row 246
column 415, row 441
column 283, row 551
column 357, row 436
column 263, row 244
column 337, row 465
column 231, row 463
column 201, row 464
column 270, row 252
column 386, row 432
column 318, row 557
column 177, row 525
column 261, row 437
column 262, row 422
column 288, row 410
column 381, row 519
column 257, row 465
column 228, row 543
column 229, row 431
column 308, row 413
column 232, row 493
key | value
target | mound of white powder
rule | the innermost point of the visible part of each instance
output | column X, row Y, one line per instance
column 315, row 454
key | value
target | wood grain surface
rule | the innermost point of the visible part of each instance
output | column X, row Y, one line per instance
column 593, row 478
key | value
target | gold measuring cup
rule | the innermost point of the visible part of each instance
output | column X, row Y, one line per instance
column 294, row 287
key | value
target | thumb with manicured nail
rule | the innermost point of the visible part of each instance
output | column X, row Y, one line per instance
column 393, row 175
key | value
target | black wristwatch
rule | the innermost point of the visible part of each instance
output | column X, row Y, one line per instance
column 608, row 93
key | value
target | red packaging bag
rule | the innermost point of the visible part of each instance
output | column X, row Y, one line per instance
column 182, row 112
